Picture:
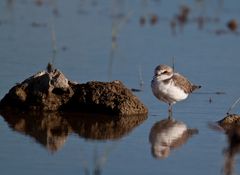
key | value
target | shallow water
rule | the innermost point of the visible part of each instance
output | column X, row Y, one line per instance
column 85, row 52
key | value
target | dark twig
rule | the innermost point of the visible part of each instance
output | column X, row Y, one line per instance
column 206, row 93
column 54, row 42
column 173, row 63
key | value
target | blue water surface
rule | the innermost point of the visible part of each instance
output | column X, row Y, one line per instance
column 86, row 51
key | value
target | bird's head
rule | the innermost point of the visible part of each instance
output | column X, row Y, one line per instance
column 163, row 72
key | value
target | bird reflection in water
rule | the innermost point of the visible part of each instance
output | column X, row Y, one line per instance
column 168, row 134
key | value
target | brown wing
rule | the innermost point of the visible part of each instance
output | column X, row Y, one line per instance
column 182, row 82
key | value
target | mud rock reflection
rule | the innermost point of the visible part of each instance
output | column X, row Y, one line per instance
column 91, row 126
column 232, row 150
column 52, row 129
column 168, row 134
column 48, row 129
column 231, row 127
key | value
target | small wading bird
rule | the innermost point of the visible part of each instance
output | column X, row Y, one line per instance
column 170, row 87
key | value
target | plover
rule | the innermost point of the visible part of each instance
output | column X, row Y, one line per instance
column 170, row 87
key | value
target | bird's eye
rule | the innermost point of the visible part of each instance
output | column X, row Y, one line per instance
column 164, row 72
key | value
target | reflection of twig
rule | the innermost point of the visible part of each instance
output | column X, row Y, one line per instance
column 10, row 4
column 144, row 5
column 117, row 24
column 82, row 5
column 97, row 170
column 233, row 105
column 55, row 8
column 84, row 164
column 219, row 8
column 100, row 160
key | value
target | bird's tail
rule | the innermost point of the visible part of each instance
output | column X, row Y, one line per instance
column 195, row 87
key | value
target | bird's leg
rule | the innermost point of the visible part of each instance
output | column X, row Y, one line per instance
column 170, row 111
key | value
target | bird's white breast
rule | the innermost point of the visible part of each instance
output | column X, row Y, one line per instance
column 167, row 92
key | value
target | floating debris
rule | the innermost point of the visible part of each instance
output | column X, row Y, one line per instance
column 232, row 25
column 136, row 90
column 220, row 32
column 183, row 15
column 142, row 20
column 153, row 19
column 210, row 100
column 64, row 48
column 38, row 24
column 39, row 2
